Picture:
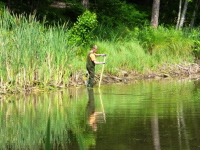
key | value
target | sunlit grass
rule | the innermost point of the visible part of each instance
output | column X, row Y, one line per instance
column 32, row 52
column 144, row 49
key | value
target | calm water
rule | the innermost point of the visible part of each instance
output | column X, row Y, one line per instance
column 148, row 115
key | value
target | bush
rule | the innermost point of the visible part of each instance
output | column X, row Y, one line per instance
column 164, row 40
column 81, row 32
column 195, row 36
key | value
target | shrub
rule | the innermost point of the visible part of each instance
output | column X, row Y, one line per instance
column 81, row 32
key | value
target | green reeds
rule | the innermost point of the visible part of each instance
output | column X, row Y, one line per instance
column 33, row 54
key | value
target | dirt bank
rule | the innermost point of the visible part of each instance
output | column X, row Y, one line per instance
column 189, row 70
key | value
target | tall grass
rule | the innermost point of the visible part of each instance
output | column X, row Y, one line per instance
column 144, row 49
column 32, row 53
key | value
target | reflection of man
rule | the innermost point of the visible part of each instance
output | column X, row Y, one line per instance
column 90, row 110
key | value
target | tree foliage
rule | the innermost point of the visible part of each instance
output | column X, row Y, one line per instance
column 81, row 32
column 115, row 13
column 112, row 13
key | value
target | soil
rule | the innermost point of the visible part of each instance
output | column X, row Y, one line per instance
column 191, row 71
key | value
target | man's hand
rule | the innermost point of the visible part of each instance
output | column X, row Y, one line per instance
column 103, row 63
column 103, row 55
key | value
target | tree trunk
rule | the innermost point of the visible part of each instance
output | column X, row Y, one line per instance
column 155, row 13
column 85, row 3
column 194, row 13
column 182, row 19
column 179, row 15
column 9, row 5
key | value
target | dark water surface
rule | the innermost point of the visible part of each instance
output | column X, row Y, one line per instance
column 148, row 115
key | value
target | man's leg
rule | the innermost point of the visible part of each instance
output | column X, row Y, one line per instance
column 91, row 72
column 88, row 80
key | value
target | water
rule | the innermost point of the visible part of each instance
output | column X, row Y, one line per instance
column 147, row 115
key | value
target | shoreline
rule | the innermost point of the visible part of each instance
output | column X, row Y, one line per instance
column 191, row 71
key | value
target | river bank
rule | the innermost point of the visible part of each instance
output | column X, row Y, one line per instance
column 176, row 71
column 190, row 71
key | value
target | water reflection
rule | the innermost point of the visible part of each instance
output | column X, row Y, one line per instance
column 90, row 110
column 156, row 115
column 155, row 128
column 93, row 115
column 154, row 122
column 182, row 129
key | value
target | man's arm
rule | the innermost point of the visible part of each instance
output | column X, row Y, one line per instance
column 92, row 56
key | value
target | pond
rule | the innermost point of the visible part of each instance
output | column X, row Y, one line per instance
column 146, row 115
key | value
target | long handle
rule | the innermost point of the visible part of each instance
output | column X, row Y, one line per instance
column 102, row 72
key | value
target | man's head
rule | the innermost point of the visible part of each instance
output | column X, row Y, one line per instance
column 95, row 48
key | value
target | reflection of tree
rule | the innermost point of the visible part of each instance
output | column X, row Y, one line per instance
column 182, row 126
column 155, row 124
column 155, row 129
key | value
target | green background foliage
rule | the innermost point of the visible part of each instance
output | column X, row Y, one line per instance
column 118, row 13
column 81, row 32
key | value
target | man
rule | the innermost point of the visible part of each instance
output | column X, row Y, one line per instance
column 90, row 65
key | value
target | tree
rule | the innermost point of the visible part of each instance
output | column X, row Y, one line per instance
column 179, row 14
column 182, row 14
column 85, row 3
column 155, row 13
column 194, row 13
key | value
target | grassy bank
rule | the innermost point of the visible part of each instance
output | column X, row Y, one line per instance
column 35, row 55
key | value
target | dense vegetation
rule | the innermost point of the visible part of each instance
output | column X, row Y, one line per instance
column 37, row 52
column 109, row 12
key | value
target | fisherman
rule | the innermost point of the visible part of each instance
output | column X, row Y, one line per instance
column 90, row 65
